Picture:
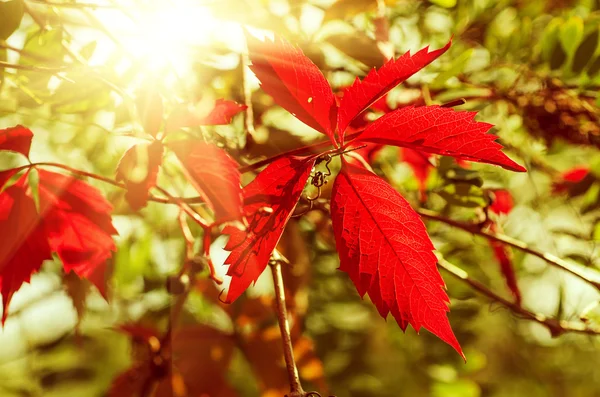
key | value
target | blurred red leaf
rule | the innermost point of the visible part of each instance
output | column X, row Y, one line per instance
column 502, row 201
column 385, row 249
column 294, row 82
column 269, row 201
column 214, row 175
column 78, row 225
column 421, row 167
column 150, row 109
column 16, row 139
column 138, row 169
column 569, row 179
column 221, row 113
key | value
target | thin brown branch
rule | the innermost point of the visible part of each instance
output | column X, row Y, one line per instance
column 30, row 68
column 249, row 115
column 284, row 327
column 555, row 326
column 588, row 275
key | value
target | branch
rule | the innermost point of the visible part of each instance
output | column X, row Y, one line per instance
column 555, row 326
column 284, row 327
column 592, row 277
column 29, row 68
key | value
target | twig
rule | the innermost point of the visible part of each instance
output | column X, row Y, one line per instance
column 249, row 114
column 592, row 278
column 29, row 68
column 555, row 326
column 284, row 327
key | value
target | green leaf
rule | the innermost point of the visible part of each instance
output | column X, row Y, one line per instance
column 463, row 195
column 444, row 3
column 456, row 67
column 571, row 34
column 585, row 52
column 11, row 14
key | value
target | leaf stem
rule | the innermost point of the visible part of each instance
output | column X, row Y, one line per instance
column 284, row 327
column 592, row 277
column 555, row 326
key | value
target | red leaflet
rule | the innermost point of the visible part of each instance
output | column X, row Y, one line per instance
column 384, row 247
column 222, row 113
column 503, row 202
column 78, row 225
column 138, row 168
column 5, row 177
column 269, row 200
column 215, row 176
column 294, row 82
column 421, row 167
column 362, row 94
column 23, row 245
column 16, row 139
column 503, row 255
column 444, row 131
column 569, row 179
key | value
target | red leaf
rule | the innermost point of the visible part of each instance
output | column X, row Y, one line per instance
column 5, row 177
column 444, row 131
column 294, row 82
column 78, row 225
column 221, row 113
column 215, row 176
column 150, row 110
column 362, row 94
column 503, row 255
column 421, row 167
column 269, row 201
column 16, row 139
column 502, row 203
column 138, row 168
column 385, row 249
column 23, row 245
column 568, row 179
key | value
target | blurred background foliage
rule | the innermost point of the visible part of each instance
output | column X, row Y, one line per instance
column 77, row 76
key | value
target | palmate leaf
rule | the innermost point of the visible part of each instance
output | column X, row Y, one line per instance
column 214, row 175
column 294, row 82
column 74, row 222
column 269, row 201
column 385, row 249
column 438, row 130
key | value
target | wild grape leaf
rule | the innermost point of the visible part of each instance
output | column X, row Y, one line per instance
column 385, row 249
column 294, row 82
column 269, row 201
column 421, row 167
column 138, row 168
column 363, row 93
column 78, row 225
column 444, row 131
column 215, row 176
column 150, row 109
column 23, row 245
column 16, row 139
column 185, row 116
